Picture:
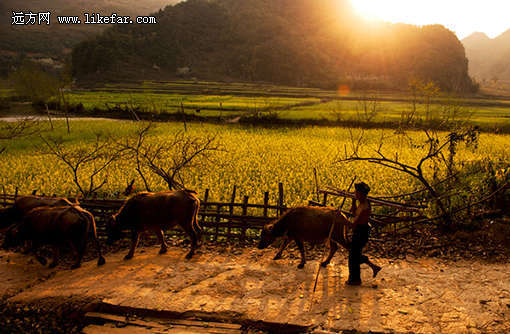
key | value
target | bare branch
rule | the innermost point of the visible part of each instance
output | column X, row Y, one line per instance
column 168, row 159
column 89, row 162
column 24, row 127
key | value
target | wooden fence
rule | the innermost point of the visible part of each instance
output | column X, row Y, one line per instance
column 239, row 218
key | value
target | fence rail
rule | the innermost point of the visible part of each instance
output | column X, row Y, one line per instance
column 241, row 219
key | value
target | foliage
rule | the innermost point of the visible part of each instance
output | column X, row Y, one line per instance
column 297, row 42
column 31, row 81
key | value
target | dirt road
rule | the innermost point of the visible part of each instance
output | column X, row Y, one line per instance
column 416, row 295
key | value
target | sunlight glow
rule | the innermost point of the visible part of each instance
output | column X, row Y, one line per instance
column 461, row 16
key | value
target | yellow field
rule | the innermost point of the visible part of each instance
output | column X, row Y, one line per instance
column 254, row 159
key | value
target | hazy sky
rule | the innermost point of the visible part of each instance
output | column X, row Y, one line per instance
column 461, row 16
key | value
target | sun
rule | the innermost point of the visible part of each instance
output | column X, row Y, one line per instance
column 372, row 9
column 461, row 16
column 393, row 10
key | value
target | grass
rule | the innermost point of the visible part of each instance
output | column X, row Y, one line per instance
column 172, row 102
column 229, row 100
column 391, row 112
column 291, row 108
column 6, row 92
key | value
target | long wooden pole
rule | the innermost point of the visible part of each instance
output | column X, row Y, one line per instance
column 329, row 239
column 336, row 192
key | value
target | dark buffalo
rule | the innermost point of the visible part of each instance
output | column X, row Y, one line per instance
column 56, row 226
column 156, row 212
column 25, row 204
column 310, row 224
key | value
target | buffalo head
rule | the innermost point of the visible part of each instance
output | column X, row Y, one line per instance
column 266, row 236
column 113, row 230
column 13, row 237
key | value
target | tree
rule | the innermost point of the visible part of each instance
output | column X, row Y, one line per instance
column 167, row 159
column 368, row 107
column 12, row 130
column 31, row 82
column 435, row 152
column 87, row 164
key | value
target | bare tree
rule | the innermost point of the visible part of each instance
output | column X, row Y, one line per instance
column 368, row 108
column 337, row 111
column 135, row 148
column 170, row 158
column 11, row 130
column 420, row 93
column 435, row 150
column 88, row 164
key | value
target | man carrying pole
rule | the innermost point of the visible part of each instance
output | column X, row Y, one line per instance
column 361, row 230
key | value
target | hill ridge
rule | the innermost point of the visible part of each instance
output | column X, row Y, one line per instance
column 318, row 43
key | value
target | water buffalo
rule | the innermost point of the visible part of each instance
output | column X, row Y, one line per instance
column 306, row 223
column 155, row 212
column 24, row 204
column 56, row 226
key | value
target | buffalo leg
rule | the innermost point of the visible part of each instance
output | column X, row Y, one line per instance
column 332, row 250
column 135, row 238
column 100, row 259
column 193, row 236
column 80, row 251
column 161, row 238
column 35, row 248
column 301, row 247
column 28, row 247
column 56, row 253
column 282, row 247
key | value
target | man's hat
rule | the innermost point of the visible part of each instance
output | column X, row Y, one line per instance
column 362, row 187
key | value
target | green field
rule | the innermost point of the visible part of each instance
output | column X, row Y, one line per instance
column 254, row 159
column 294, row 104
column 172, row 102
column 209, row 99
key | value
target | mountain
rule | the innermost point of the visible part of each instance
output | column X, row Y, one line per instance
column 488, row 58
column 50, row 43
column 319, row 43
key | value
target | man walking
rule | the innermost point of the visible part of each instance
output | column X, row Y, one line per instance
column 361, row 230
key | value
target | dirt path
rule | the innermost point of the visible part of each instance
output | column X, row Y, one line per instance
column 421, row 296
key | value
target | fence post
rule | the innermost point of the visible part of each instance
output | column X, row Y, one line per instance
column 280, row 199
column 245, row 213
column 231, row 209
column 204, row 208
column 325, row 199
column 266, row 202
column 217, row 222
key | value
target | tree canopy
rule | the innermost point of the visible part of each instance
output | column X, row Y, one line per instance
column 318, row 43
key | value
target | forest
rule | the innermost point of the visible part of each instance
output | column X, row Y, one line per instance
column 301, row 43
